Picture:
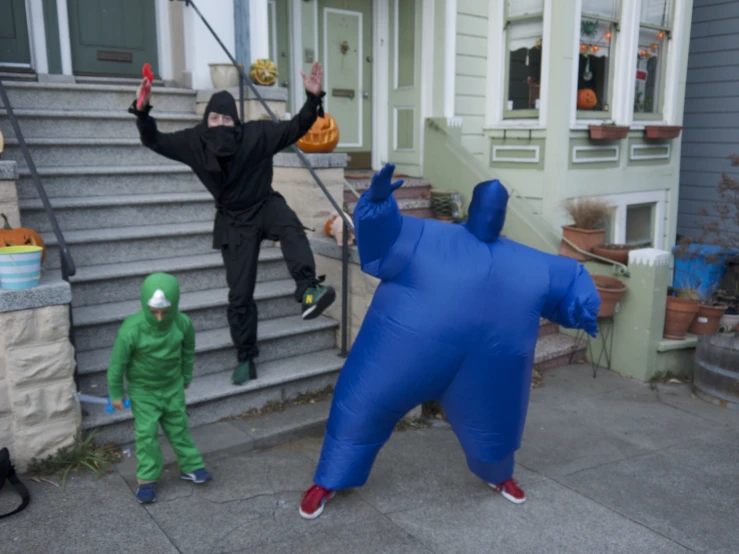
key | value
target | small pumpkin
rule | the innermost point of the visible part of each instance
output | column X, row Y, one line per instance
column 20, row 237
column 322, row 137
column 586, row 99
column 263, row 72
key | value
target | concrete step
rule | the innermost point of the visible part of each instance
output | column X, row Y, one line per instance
column 557, row 350
column 43, row 123
column 102, row 212
column 213, row 397
column 12, row 76
column 75, row 97
column 120, row 81
column 132, row 244
column 214, row 351
column 118, row 282
column 97, row 326
column 88, row 181
column 67, row 152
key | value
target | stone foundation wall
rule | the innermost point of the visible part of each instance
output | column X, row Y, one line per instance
column 38, row 411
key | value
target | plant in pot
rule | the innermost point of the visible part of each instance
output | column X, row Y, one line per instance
column 610, row 290
column 682, row 307
column 616, row 252
column 586, row 214
column 709, row 315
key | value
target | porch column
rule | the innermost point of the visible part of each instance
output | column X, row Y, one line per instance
column 242, row 32
column 258, row 29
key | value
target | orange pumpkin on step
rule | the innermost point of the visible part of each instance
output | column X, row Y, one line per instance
column 322, row 137
column 586, row 99
column 20, row 237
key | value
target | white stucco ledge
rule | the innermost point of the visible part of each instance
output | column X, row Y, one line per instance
column 52, row 291
column 326, row 246
column 8, row 171
column 272, row 94
column 650, row 257
column 669, row 345
column 317, row 161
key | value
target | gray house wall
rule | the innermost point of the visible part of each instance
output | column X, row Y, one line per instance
column 711, row 124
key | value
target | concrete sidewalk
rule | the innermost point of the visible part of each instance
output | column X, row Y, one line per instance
column 608, row 465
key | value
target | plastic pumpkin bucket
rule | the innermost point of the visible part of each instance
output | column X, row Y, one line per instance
column 20, row 267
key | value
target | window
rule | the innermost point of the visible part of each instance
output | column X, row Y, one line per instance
column 524, row 22
column 640, row 225
column 636, row 218
column 598, row 29
column 655, row 22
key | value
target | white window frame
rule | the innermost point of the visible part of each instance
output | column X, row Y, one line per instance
column 620, row 203
column 496, row 86
column 625, row 70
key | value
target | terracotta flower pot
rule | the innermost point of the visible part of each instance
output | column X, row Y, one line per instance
column 679, row 315
column 608, row 132
column 610, row 291
column 706, row 322
column 585, row 239
column 662, row 131
column 616, row 252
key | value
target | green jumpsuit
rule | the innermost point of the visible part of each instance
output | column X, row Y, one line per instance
column 157, row 359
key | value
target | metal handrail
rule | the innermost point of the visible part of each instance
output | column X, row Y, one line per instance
column 347, row 222
column 68, row 268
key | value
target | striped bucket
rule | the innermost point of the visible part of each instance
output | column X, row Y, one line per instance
column 20, row 267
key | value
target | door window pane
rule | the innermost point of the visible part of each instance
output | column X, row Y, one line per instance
column 597, row 46
column 640, row 224
column 655, row 21
column 525, row 27
column 406, row 45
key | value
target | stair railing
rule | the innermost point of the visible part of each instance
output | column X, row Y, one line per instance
column 347, row 222
column 68, row 268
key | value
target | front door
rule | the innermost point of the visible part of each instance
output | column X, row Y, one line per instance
column 404, row 90
column 345, row 46
column 279, row 41
column 14, row 48
column 112, row 37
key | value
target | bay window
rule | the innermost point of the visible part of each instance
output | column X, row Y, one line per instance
column 599, row 25
column 655, row 26
column 524, row 24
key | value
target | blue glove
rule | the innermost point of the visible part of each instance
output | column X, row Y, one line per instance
column 381, row 187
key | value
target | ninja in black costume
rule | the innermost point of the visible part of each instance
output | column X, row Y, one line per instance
column 234, row 162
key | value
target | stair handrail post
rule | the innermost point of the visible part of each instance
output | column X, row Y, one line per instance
column 304, row 160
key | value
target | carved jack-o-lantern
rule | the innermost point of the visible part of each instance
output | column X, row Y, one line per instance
column 322, row 137
column 586, row 99
column 263, row 72
column 20, row 237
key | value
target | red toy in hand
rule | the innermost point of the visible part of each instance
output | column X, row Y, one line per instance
column 149, row 76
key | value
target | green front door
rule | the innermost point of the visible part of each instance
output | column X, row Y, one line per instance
column 112, row 37
column 405, row 90
column 14, row 48
column 345, row 46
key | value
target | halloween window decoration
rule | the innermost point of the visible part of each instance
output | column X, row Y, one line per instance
column 654, row 29
column 524, row 20
column 598, row 29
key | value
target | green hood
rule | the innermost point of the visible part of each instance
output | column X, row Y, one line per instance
column 160, row 288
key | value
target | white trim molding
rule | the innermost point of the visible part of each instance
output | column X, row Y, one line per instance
column 380, row 83
column 510, row 148
column 427, row 72
column 37, row 36
column 164, row 39
column 664, row 155
column 360, row 74
column 578, row 160
column 450, row 58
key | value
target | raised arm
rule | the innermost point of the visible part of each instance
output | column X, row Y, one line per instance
column 119, row 360
column 385, row 238
column 277, row 136
column 573, row 300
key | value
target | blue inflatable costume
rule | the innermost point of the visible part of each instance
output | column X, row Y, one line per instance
column 454, row 319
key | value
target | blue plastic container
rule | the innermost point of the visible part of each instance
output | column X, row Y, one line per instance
column 703, row 270
column 20, row 267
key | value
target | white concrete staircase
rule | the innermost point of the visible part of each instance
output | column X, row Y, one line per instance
column 126, row 212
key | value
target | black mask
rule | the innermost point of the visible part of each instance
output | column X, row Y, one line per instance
column 221, row 141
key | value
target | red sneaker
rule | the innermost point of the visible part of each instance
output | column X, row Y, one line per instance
column 313, row 501
column 510, row 491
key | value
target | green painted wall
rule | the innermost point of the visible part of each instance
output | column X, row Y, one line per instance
column 51, row 29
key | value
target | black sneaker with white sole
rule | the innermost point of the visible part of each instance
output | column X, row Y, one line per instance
column 316, row 300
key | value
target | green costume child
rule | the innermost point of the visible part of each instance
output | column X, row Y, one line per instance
column 155, row 350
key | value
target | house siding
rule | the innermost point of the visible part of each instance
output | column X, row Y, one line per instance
column 471, row 71
column 711, row 121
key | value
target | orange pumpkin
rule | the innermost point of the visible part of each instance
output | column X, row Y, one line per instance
column 327, row 227
column 586, row 99
column 20, row 237
column 322, row 137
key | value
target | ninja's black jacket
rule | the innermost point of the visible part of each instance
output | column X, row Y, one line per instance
column 234, row 163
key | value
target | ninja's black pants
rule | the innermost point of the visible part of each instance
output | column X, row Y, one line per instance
column 275, row 221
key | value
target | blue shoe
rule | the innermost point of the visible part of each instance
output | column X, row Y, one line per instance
column 197, row 476
column 146, row 493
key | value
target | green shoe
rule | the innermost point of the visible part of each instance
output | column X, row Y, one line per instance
column 243, row 372
column 316, row 300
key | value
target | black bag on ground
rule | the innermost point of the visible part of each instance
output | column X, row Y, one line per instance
column 7, row 472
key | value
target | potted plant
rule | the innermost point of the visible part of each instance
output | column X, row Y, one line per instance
column 616, row 252
column 610, row 290
column 441, row 204
column 608, row 131
column 586, row 214
column 662, row 131
column 224, row 75
column 679, row 313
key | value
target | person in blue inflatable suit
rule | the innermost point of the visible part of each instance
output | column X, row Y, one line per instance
column 454, row 319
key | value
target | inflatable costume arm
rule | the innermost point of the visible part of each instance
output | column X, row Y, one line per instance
column 385, row 238
column 573, row 300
